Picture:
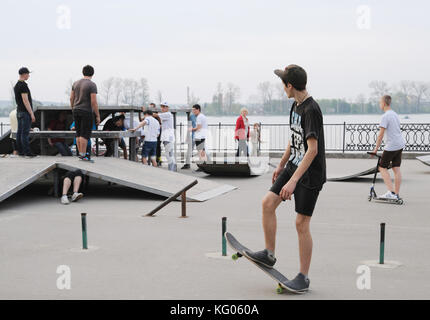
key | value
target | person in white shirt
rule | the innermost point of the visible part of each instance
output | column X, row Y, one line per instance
column 200, row 132
column 134, row 125
column 394, row 144
column 168, row 135
column 255, row 139
column 151, row 133
column 13, row 128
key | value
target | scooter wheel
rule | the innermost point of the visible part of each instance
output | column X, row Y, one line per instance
column 369, row 198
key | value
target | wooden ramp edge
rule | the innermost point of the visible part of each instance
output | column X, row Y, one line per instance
column 424, row 159
column 14, row 179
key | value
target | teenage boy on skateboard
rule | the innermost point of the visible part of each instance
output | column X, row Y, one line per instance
column 301, row 172
column 394, row 144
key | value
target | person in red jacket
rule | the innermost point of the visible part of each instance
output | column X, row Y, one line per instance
column 241, row 133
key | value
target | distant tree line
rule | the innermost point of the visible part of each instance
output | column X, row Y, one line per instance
column 270, row 98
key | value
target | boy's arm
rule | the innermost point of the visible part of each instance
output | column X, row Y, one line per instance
column 95, row 107
column 310, row 155
column 283, row 162
column 27, row 105
column 379, row 140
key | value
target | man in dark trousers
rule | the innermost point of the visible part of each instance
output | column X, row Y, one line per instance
column 24, row 113
column 301, row 172
column 114, row 124
column 83, row 100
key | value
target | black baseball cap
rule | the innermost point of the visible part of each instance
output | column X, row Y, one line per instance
column 294, row 75
column 24, row 70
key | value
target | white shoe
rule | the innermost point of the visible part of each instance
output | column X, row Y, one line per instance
column 389, row 195
column 65, row 200
column 76, row 196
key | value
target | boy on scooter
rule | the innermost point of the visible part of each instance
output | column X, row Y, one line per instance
column 394, row 144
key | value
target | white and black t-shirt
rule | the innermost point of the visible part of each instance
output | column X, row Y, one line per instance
column 201, row 133
column 306, row 121
column 152, row 129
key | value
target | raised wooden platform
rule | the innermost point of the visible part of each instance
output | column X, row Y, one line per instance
column 17, row 173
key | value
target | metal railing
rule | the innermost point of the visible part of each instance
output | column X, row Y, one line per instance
column 341, row 137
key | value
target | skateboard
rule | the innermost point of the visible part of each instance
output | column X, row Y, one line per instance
column 271, row 272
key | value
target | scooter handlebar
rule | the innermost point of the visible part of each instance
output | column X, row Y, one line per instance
column 373, row 154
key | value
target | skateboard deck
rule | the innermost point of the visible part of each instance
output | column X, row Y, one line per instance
column 271, row 272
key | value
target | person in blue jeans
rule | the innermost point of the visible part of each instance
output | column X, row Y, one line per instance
column 24, row 113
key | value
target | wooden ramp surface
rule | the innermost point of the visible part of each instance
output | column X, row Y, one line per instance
column 17, row 173
column 425, row 159
column 127, row 173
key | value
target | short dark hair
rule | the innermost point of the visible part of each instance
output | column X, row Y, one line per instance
column 152, row 104
column 197, row 106
column 387, row 99
column 148, row 112
column 88, row 71
column 294, row 75
column 117, row 118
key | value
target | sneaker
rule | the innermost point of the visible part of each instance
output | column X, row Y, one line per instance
column 86, row 158
column 65, row 200
column 389, row 195
column 76, row 196
column 186, row 166
column 263, row 257
column 299, row 284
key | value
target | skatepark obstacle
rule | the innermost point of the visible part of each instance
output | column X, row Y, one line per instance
column 17, row 173
column 382, row 244
column 181, row 193
column 84, row 231
column 224, row 230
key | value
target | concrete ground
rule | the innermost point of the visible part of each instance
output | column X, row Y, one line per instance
column 164, row 257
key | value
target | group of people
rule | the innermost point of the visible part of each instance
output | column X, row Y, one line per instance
column 242, row 134
column 301, row 171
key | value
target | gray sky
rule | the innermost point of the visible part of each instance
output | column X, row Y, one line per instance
column 175, row 44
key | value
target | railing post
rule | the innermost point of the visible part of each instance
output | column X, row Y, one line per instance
column 344, row 133
column 219, row 136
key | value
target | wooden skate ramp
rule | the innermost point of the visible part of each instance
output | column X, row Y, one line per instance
column 16, row 173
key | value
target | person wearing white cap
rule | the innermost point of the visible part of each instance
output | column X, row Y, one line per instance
column 168, row 135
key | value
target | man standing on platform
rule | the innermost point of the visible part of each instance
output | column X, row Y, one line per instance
column 83, row 100
column 24, row 113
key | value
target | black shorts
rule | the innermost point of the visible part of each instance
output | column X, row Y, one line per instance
column 200, row 144
column 305, row 199
column 393, row 157
column 83, row 123
column 73, row 174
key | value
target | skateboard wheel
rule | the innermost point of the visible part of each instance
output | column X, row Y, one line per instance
column 400, row 201
column 235, row 257
column 369, row 198
column 279, row 290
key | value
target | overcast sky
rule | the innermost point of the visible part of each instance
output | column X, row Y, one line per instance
column 198, row 43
